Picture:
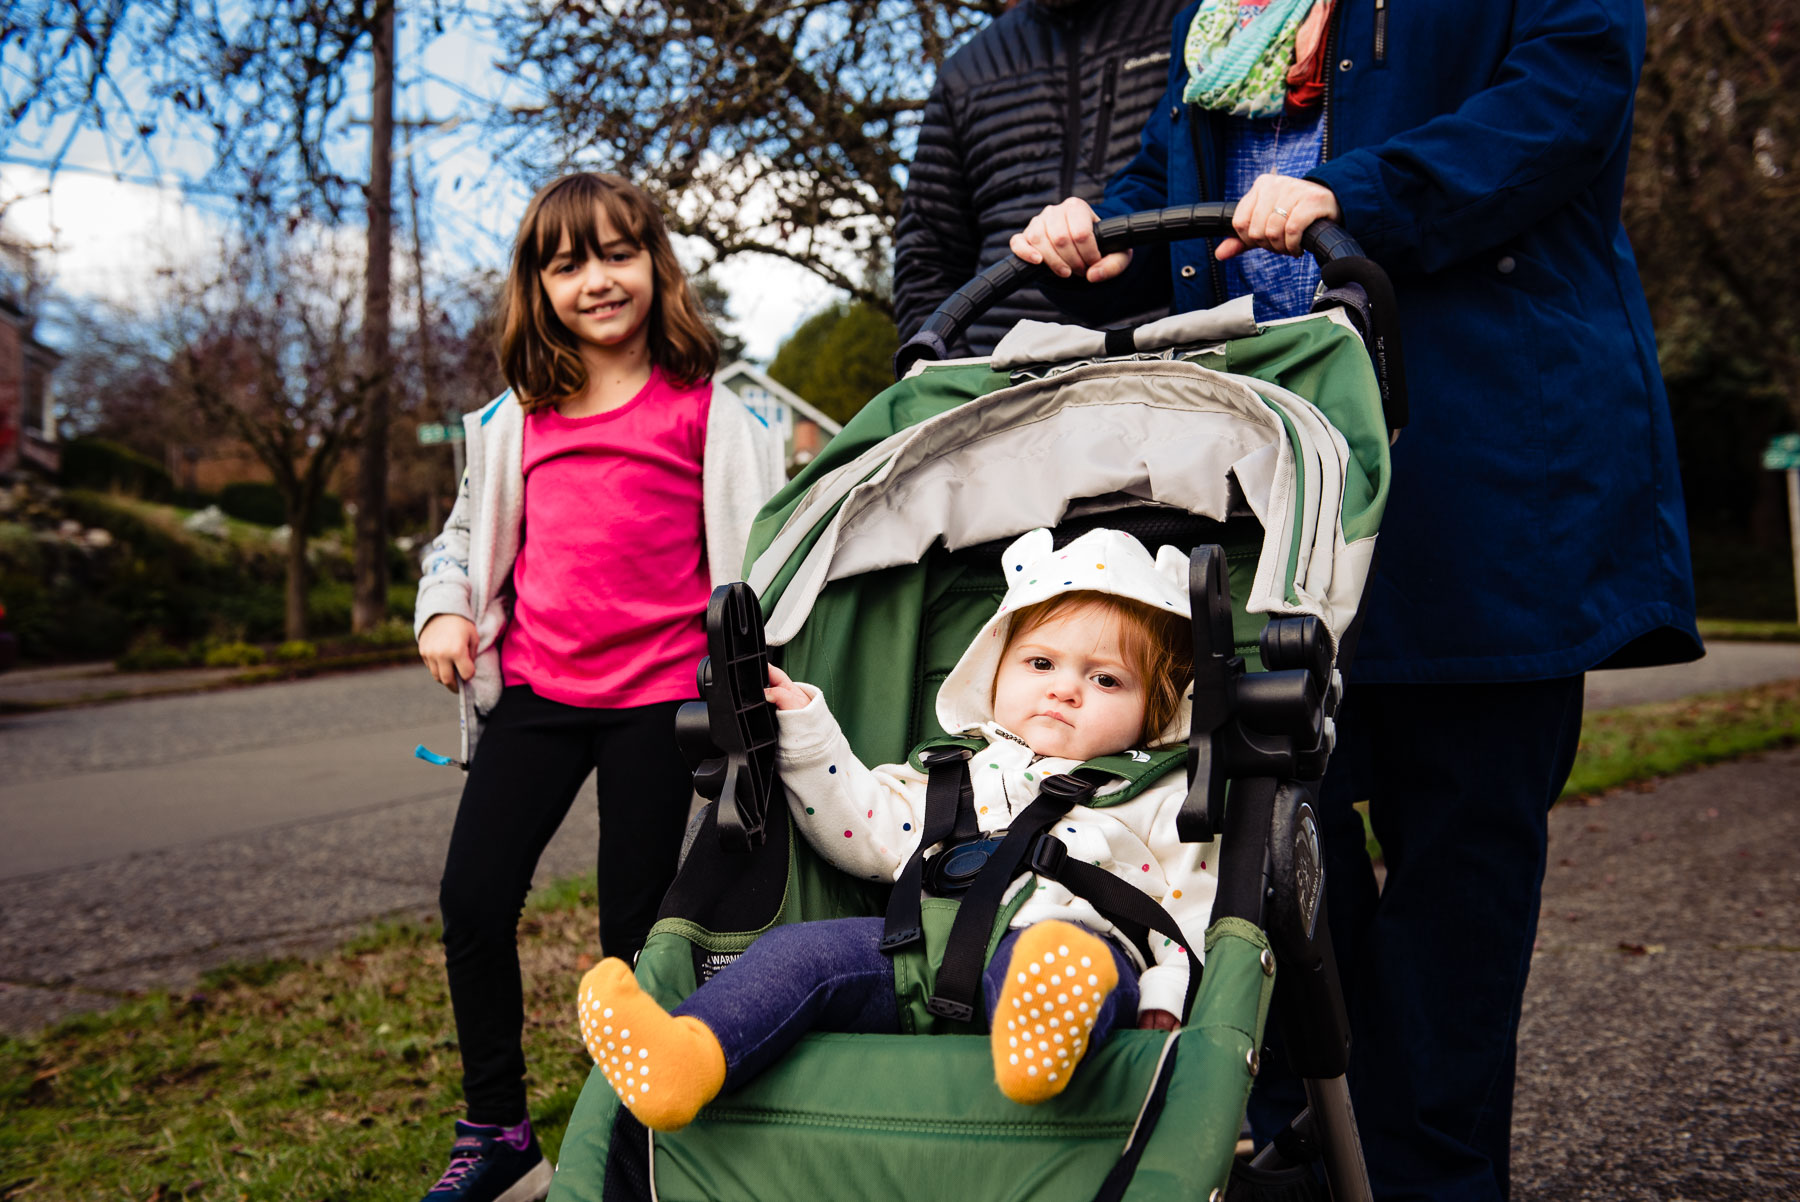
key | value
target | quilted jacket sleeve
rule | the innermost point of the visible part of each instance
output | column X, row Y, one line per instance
column 936, row 245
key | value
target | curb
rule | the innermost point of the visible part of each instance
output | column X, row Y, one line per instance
column 263, row 674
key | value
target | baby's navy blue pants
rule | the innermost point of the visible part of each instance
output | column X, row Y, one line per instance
column 831, row 976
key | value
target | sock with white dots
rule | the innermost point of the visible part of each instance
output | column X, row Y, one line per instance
column 1058, row 978
column 664, row 1067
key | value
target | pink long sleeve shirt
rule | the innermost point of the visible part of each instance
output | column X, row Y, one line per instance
column 611, row 578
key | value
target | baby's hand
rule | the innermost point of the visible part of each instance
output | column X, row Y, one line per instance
column 782, row 692
column 1157, row 1020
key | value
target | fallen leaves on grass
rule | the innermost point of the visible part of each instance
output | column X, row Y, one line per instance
column 1634, row 745
column 333, row 1078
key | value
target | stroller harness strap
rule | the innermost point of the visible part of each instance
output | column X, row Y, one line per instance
column 959, row 977
column 949, row 796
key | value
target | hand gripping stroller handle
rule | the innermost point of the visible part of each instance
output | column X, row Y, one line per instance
column 1341, row 263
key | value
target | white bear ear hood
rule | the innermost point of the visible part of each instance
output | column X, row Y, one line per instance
column 1100, row 561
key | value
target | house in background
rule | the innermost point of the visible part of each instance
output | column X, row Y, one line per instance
column 27, row 424
column 804, row 429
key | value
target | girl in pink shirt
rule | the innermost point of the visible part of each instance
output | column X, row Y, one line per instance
column 607, row 492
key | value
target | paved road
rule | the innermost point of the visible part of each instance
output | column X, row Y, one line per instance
column 1725, row 666
column 149, row 840
column 1659, row 1055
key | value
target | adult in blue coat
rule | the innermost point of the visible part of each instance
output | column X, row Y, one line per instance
column 1534, row 529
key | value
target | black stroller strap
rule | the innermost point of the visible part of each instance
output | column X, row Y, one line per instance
column 949, row 796
column 965, row 954
column 1124, row 905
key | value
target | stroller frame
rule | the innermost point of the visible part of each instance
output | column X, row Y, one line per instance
column 1258, row 741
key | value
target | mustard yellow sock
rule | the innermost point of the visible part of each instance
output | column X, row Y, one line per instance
column 664, row 1067
column 1058, row 977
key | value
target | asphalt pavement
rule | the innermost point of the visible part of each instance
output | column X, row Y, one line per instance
column 1659, row 1052
column 148, row 840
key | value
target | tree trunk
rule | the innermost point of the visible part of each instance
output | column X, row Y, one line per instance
column 298, row 574
column 369, row 606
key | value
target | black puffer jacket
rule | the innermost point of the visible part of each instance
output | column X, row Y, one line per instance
column 1045, row 103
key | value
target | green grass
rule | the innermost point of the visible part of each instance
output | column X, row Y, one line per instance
column 1624, row 746
column 338, row 1078
column 1636, row 743
column 1737, row 630
column 331, row 1079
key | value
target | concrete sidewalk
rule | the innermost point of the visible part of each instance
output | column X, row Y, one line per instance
column 1659, row 1052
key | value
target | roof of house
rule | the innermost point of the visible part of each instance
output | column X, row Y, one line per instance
column 745, row 370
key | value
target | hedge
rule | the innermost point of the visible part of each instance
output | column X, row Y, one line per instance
column 261, row 503
column 103, row 466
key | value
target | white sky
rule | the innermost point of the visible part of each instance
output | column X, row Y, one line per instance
column 108, row 237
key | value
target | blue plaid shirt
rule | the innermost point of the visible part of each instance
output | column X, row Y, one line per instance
column 1284, row 145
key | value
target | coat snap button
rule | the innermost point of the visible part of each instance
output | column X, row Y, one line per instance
column 1505, row 265
column 1187, row 273
column 1174, row 112
column 1345, row 64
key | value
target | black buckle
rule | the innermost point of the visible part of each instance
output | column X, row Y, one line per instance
column 945, row 1008
column 954, row 869
column 900, row 939
column 1049, row 854
column 938, row 756
column 1074, row 789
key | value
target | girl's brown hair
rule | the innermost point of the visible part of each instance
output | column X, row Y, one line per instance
column 1157, row 645
column 539, row 357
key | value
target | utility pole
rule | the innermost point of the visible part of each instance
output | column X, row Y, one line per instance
column 369, row 603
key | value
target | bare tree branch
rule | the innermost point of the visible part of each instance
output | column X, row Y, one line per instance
column 779, row 126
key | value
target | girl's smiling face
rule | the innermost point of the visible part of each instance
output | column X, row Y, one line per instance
column 1067, row 689
column 604, row 299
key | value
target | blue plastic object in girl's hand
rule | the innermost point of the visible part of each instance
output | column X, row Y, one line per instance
column 431, row 757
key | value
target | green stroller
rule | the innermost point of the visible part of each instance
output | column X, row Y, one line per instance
column 1260, row 451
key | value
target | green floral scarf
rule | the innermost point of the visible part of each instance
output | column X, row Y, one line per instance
column 1242, row 71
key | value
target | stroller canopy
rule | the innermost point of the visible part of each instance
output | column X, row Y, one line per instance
column 1181, row 429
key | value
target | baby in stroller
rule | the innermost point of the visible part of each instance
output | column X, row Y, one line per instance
column 1087, row 659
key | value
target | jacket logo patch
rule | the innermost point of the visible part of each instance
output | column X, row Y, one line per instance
column 1132, row 64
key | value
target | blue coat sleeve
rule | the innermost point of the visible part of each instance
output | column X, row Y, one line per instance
column 936, row 244
column 1543, row 130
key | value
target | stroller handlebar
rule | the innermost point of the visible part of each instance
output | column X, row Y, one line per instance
column 1324, row 240
column 1341, row 262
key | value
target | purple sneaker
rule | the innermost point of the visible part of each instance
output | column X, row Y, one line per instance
column 493, row 1164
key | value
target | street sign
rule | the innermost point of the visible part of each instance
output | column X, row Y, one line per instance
column 1782, row 453
column 431, row 433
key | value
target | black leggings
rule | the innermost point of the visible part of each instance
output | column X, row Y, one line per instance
column 532, row 757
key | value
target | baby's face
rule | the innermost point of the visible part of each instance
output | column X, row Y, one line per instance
column 1066, row 688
